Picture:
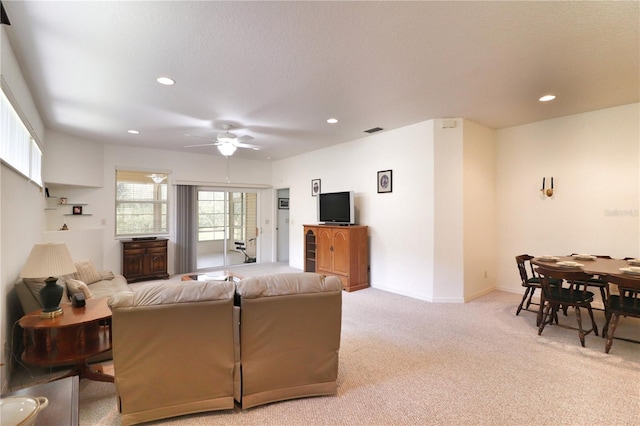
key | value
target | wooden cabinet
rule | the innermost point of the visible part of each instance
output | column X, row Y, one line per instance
column 144, row 260
column 342, row 251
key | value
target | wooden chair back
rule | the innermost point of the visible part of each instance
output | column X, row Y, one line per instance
column 575, row 278
column 522, row 262
column 629, row 293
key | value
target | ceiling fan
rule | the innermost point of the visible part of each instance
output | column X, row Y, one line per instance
column 228, row 142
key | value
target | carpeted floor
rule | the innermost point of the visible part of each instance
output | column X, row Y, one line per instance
column 408, row 362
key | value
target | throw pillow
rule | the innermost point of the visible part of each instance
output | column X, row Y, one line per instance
column 106, row 275
column 86, row 272
column 77, row 286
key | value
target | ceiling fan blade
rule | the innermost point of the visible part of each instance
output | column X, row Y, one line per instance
column 208, row 138
column 246, row 145
column 202, row 144
column 245, row 138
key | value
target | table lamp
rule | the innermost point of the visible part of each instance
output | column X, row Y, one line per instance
column 49, row 260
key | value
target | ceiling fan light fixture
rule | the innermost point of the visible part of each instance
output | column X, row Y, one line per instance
column 157, row 179
column 227, row 149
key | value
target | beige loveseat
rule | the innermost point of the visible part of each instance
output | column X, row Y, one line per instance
column 184, row 347
column 97, row 284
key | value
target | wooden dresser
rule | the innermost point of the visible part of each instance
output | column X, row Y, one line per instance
column 144, row 259
column 342, row 251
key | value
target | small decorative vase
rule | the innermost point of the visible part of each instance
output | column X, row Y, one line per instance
column 50, row 295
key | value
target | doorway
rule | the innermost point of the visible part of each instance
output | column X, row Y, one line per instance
column 227, row 228
column 282, row 225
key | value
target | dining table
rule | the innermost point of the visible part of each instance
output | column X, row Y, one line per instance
column 590, row 264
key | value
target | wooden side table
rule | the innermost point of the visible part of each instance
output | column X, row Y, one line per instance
column 71, row 338
column 63, row 396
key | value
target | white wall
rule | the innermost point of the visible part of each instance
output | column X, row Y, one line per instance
column 594, row 159
column 21, row 204
column 21, row 226
column 400, row 223
column 94, row 185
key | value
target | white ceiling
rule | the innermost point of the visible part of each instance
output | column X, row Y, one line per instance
column 278, row 70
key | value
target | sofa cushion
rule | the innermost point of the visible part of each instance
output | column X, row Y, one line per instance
column 86, row 272
column 77, row 286
column 107, row 288
column 289, row 283
column 169, row 293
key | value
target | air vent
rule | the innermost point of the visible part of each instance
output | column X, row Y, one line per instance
column 373, row 130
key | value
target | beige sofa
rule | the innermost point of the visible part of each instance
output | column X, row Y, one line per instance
column 98, row 284
column 181, row 348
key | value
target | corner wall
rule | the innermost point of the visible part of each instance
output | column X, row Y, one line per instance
column 421, row 244
column 479, row 207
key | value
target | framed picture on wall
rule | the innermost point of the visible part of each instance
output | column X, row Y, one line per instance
column 315, row 187
column 77, row 210
column 283, row 203
column 384, row 181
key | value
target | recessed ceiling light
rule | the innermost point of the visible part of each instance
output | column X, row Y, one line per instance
column 547, row 98
column 332, row 120
column 133, row 132
column 166, row 81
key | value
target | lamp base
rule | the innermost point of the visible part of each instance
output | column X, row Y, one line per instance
column 50, row 295
column 52, row 314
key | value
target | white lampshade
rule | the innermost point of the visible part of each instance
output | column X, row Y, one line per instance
column 227, row 149
column 48, row 260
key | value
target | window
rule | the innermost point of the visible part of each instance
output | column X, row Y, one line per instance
column 211, row 215
column 18, row 149
column 238, row 216
column 141, row 203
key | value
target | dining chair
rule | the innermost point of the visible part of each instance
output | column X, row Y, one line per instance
column 599, row 283
column 626, row 303
column 574, row 294
column 530, row 281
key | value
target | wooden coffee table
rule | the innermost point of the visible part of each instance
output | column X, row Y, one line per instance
column 213, row 276
column 71, row 338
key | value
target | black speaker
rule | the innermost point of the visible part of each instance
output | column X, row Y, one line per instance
column 77, row 300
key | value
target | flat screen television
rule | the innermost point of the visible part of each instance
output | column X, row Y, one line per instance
column 336, row 208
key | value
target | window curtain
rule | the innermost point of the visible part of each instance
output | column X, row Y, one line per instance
column 186, row 229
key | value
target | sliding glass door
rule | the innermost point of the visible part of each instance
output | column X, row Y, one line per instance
column 227, row 228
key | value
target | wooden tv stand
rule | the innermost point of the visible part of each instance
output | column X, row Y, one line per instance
column 342, row 251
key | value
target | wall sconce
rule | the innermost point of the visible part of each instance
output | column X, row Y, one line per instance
column 548, row 192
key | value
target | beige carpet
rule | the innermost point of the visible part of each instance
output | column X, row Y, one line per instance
column 408, row 362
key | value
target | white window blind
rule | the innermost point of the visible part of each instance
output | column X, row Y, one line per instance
column 18, row 149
